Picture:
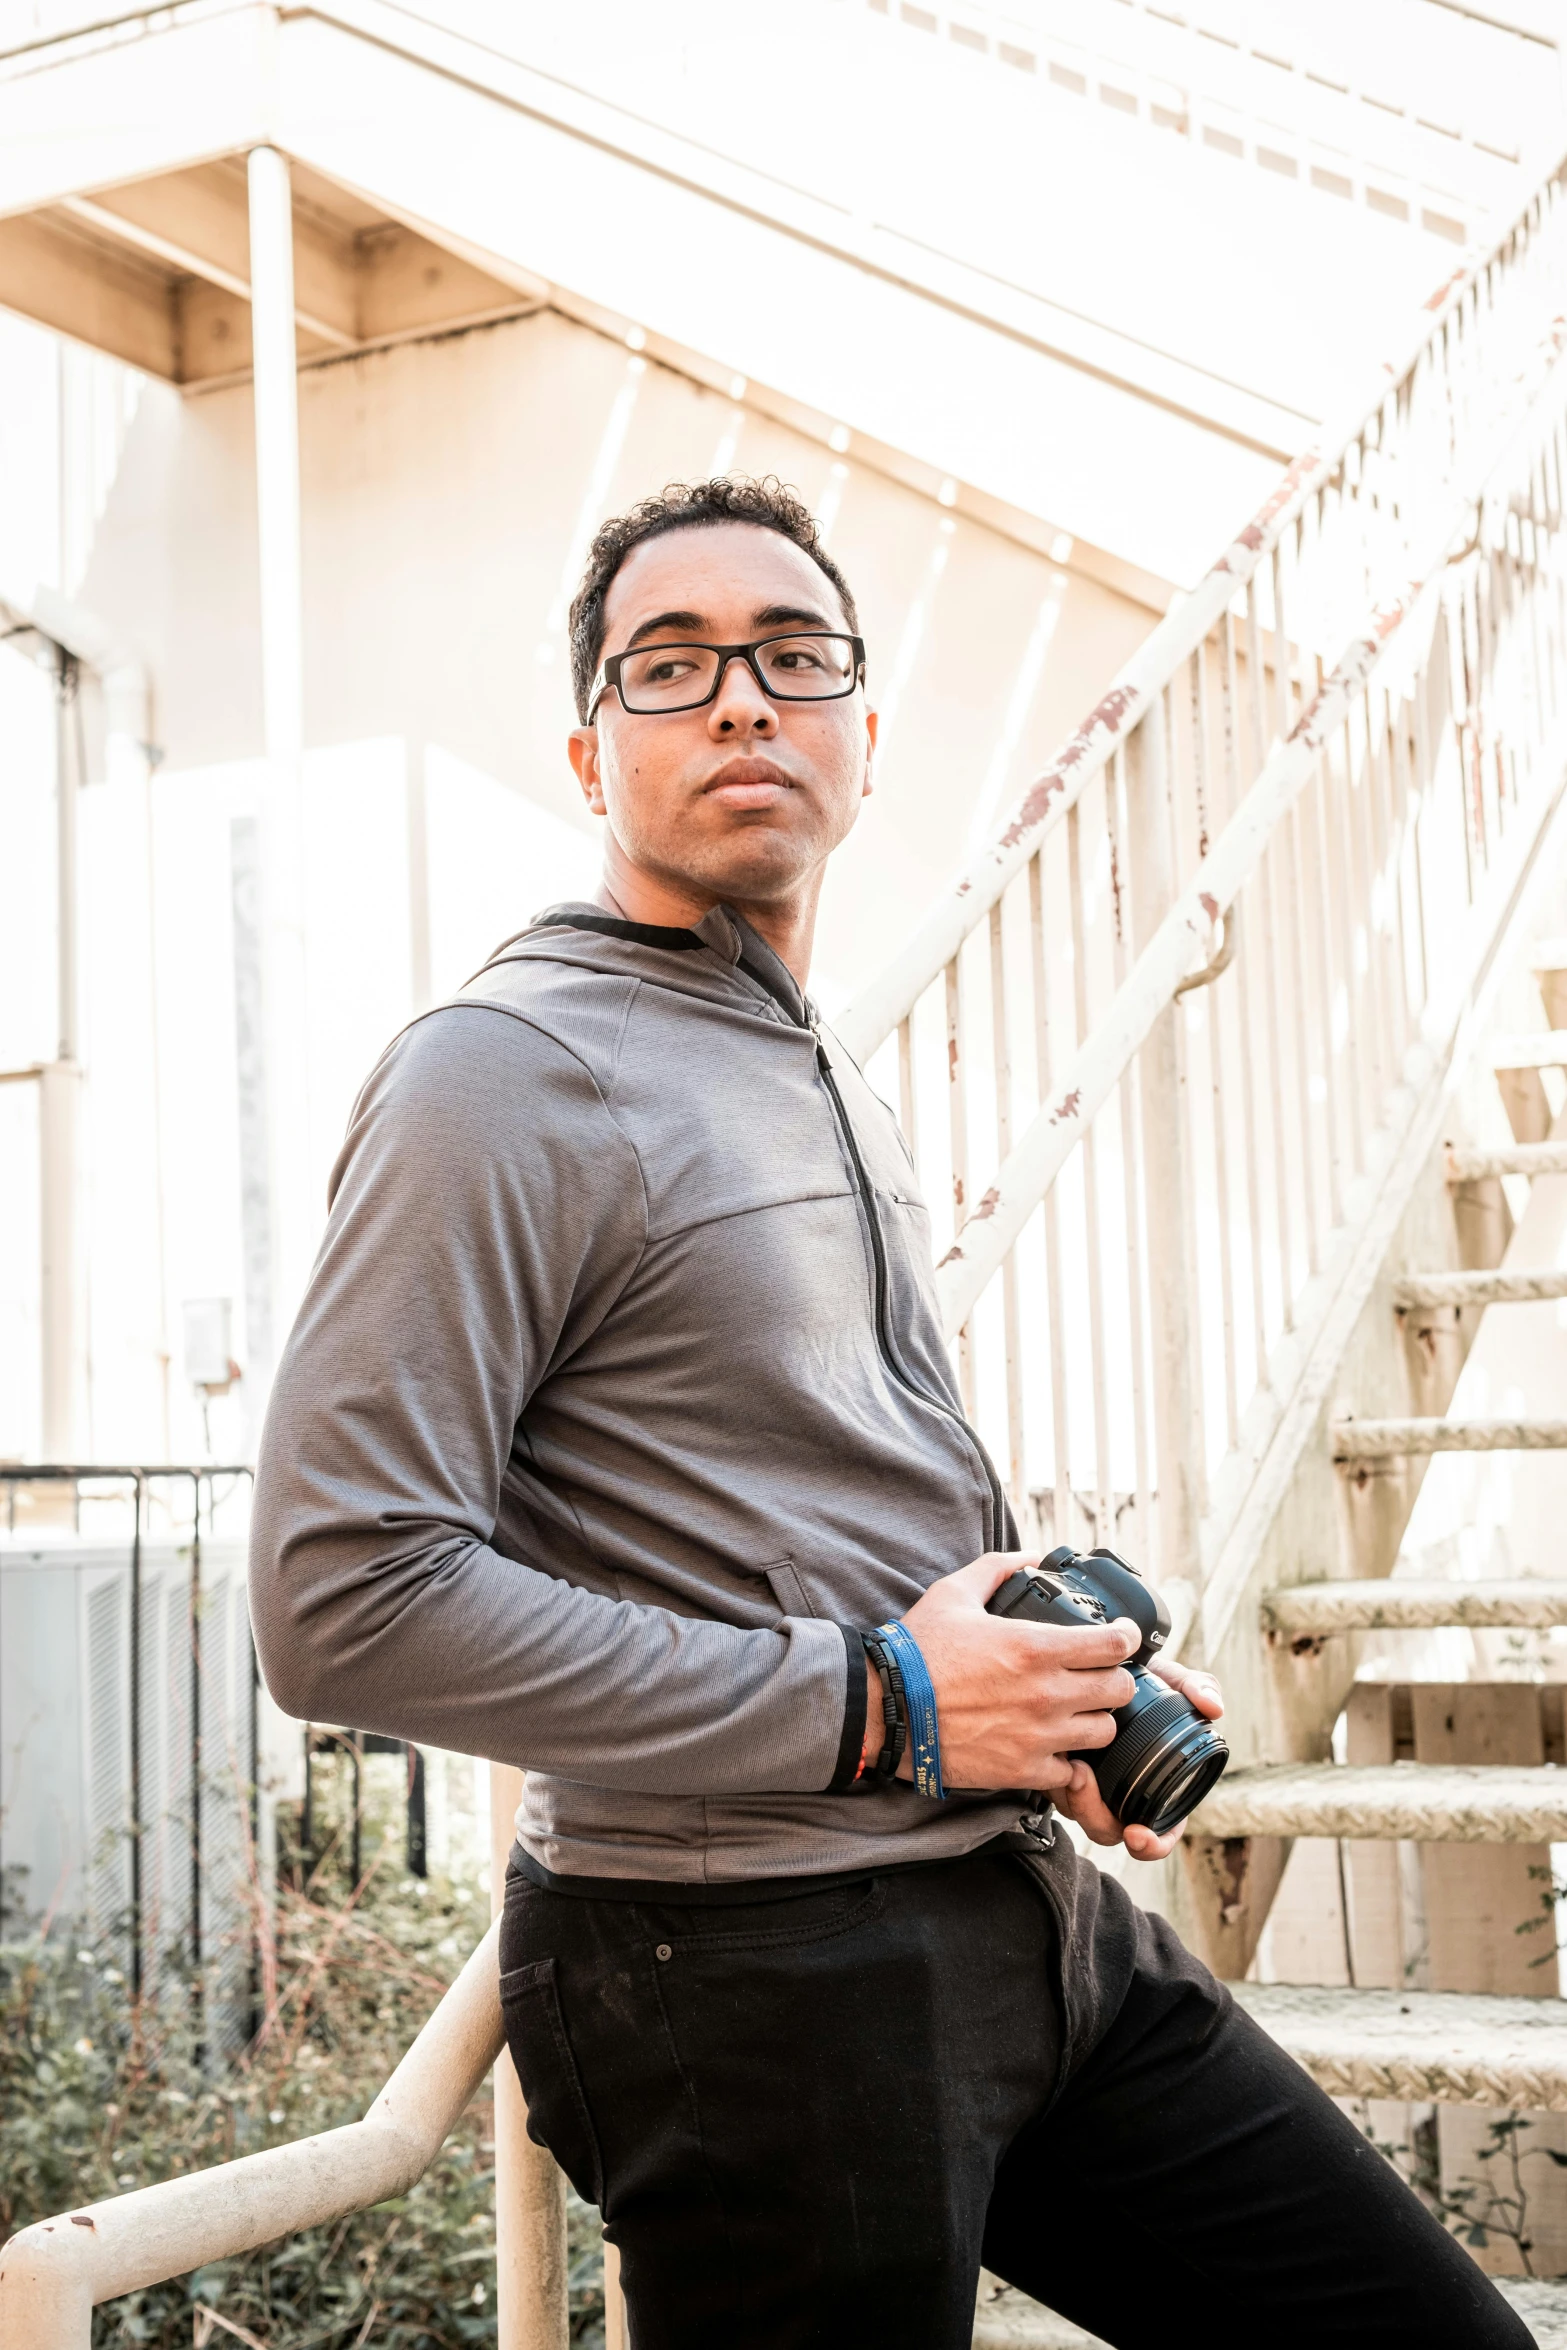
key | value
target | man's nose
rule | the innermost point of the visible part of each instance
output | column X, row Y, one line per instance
column 740, row 707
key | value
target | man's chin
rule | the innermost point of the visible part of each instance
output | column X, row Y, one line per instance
column 751, row 871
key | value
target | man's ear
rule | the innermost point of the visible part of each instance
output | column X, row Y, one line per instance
column 869, row 784
column 582, row 749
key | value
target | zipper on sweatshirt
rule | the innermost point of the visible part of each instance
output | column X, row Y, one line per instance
column 883, row 1310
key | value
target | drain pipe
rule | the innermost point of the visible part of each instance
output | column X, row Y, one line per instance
column 74, row 639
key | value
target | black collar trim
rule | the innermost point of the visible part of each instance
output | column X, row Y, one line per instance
column 641, row 934
column 680, row 942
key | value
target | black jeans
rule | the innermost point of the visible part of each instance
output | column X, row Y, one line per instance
column 809, row 2120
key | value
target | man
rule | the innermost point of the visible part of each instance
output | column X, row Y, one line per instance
column 616, row 1412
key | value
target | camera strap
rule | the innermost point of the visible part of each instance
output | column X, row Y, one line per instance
column 924, row 1736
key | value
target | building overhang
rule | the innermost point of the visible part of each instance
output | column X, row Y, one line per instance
column 439, row 186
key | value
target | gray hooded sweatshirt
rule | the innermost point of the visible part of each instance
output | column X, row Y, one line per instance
column 616, row 1403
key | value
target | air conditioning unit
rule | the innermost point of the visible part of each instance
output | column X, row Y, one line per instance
column 128, row 1729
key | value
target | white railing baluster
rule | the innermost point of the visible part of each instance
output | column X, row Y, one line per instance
column 1060, row 1420
column 1337, row 755
column 906, row 1104
column 1216, row 1089
column 1363, row 859
column 1104, row 1505
column 1011, row 1326
column 1267, row 897
column 1131, row 1157
column 1177, row 1374
column 1243, row 1015
column 957, row 1133
column 1388, row 839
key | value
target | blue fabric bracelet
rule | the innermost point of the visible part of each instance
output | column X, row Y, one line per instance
column 924, row 1736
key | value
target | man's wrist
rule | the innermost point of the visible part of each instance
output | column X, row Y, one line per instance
column 884, row 1691
column 875, row 1722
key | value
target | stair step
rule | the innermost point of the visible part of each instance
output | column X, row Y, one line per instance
column 1008, row 2320
column 1477, row 1289
column 1314, row 1610
column 1440, row 2047
column 1371, row 1440
column 1546, row 1049
column 1422, row 1803
column 1542, row 2304
column 1519, row 1158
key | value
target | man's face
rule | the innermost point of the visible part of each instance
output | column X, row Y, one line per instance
column 745, row 798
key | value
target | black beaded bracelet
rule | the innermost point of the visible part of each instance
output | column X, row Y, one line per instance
column 894, row 1707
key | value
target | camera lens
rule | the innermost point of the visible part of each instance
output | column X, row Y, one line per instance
column 1165, row 1758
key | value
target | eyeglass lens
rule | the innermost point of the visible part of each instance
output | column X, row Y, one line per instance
column 794, row 668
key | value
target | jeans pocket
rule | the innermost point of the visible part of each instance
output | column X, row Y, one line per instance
column 558, row 2112
column 788, row 1925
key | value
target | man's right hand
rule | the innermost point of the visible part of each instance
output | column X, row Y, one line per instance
column 1014, row 1699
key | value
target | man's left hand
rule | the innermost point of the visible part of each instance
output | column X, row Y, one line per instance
column 1083, row 1802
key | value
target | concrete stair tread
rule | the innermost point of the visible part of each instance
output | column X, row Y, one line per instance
column 1472, row 1165
column 1478, row 1289
column 1421, row 1803
column 1542, row 2304
column 1370, row 1440
column 1005, row 2319
column 1544, row 1048
column 1442, row 2047
column 1008, row 2320
column 1313, row 1610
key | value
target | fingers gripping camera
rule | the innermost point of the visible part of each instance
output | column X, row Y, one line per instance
column 1165, row 1755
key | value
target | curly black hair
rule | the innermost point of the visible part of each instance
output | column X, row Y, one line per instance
column 680, row 506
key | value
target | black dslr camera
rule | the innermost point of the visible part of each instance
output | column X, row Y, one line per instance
column 1165, row 1755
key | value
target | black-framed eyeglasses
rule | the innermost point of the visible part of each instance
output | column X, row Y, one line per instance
column 815, row 666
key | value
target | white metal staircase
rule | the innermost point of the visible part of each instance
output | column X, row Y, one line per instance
column 1402, row 2045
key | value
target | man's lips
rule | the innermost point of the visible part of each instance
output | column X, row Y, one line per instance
column 747, row 783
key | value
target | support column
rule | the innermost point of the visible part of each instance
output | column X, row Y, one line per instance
column 1172, row 1302
column 293, row 1219
column 59, row 1101
column 530, row 2188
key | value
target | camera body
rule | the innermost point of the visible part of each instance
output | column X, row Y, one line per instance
column 1165, row 1755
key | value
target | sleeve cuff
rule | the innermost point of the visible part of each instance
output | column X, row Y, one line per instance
column 851, row 1744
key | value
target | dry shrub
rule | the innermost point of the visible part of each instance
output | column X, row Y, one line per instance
column 100, row 2092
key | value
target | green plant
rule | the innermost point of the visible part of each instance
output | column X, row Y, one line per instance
column 1477, row 2206
column 100, row 2092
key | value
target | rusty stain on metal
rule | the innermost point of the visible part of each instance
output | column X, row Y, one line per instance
column 1209, row 905
column 952, row 1257
column 1435, row 300
column 1352, row 670
column 952, row 1058
column 1107, row 717
column 1067, row 1106
column 1254, row 537
column 988, row 1205
column 957, row 1191
column 80, row 2219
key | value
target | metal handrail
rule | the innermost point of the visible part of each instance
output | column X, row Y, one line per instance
column 1156, row 979
column 55, row 2272
column 888, row 999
